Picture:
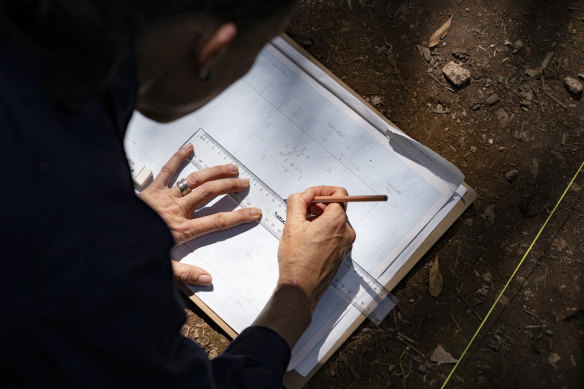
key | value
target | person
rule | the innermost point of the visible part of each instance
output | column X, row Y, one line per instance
column 89, row 297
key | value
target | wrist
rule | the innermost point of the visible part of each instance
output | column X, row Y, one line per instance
column 288, row 312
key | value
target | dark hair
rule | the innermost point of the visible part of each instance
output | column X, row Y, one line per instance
column 83, row 42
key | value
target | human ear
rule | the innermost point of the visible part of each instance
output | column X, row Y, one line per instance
column 214, row 47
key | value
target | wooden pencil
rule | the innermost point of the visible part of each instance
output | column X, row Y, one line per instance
column 347, row 199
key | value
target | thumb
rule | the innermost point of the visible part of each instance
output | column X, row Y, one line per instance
column 298, row 205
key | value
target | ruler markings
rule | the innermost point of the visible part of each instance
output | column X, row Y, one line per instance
column 352, row 282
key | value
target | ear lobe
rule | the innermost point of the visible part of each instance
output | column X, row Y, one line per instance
column 214, row 47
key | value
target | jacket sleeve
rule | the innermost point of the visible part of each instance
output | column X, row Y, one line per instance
column 257, row 358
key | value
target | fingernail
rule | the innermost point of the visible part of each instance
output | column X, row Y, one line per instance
column 244, row 181
column 204, row 279
column 233, row 168
column 255, row 212
column 187, row 147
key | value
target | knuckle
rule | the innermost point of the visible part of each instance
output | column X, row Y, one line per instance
column 194, row 179
column 220, row 221
column 183, row 274
column 206, row 189
column 167, row 169
column 352, row 235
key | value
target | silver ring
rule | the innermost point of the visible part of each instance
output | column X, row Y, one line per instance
column 184, row 188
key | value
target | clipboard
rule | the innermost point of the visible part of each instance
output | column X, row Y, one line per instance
column 292, row 379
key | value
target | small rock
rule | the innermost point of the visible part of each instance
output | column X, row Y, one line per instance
column 518, row 47
column 504, row 300
column 511, row 175
column 473, row 149
column 377, row 100
column 483, row 290
column 482, row 380
column 476, row 106
column 426, row 54
column 532, row 72
column 573, row 86
column 575, row 187
column 553, row 358
column 486, row 277
column 307, row 43
column 422, row 368
column 456, row 74
column 489, row 214
column 502, row 148
column 493, row 99
column 502, row 116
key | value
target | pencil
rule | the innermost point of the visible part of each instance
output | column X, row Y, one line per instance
column 346, row 199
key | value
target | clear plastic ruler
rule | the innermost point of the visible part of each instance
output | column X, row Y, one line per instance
column 352, row 282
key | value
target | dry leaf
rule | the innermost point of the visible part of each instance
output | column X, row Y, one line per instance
column 440, row 33
column 440, row 356
column 436, row 281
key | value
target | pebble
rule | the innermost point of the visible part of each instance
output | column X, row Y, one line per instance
column 502, row 116
column 493, row 99
column 422, row 368
column 511, row 175
column 502, row 148
column 486, row 277
column 482, row 380
column 456, row 74
column 573, row 86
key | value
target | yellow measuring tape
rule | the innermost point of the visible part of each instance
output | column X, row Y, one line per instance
column 511, row 278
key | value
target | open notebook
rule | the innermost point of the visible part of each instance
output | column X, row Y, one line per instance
column 295, row 126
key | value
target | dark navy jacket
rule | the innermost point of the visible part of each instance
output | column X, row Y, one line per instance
column 88, row 296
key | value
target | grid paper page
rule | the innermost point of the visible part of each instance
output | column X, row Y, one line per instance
column 293, row 133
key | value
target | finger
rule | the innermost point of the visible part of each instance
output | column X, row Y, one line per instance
column 198, row 178
column 168, row 170
column 330, row 191
column 211, row 189
column 298, row 205
column 220, row 221
column 189, row 274
column 317, row 209
column 325, row 190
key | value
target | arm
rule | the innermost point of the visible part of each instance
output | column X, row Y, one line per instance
column 309, row 255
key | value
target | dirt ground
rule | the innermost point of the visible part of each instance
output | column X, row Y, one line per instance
column 518, row 150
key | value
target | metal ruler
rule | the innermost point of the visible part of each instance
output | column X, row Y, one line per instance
column 352, row 282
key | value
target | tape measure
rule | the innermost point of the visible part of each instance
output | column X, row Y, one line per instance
column 352, row 282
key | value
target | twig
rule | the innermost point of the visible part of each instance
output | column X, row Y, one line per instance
column 459, row 329
column 409, row 345
column 554, row 98
column 471, row 308
column 439, row 83
column 483, row 49
column 533, row 314
column 407, row 338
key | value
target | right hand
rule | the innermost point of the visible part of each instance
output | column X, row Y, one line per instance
column 311, row 251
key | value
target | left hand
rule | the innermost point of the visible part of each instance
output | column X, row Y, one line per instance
column 177, row 210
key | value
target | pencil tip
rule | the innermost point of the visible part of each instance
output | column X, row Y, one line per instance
column 385, row 198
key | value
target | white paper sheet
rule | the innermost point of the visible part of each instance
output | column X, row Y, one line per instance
column 286, row 126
